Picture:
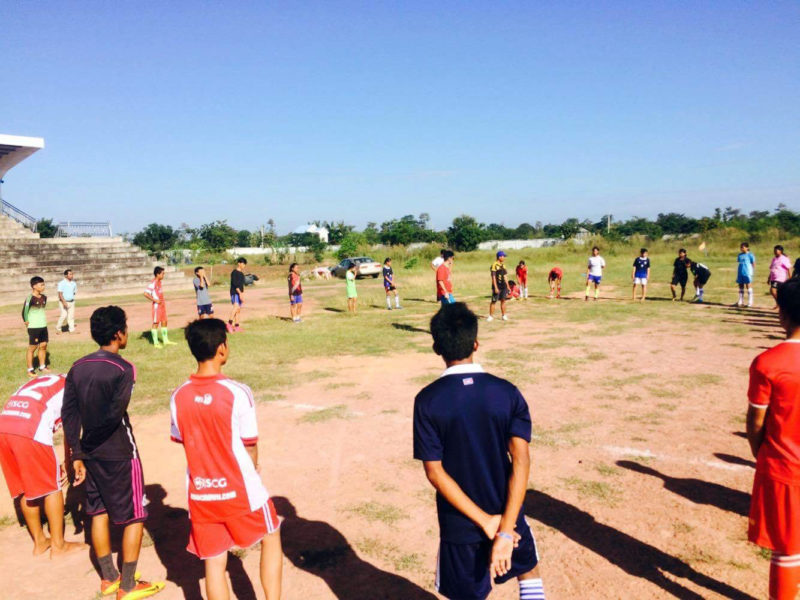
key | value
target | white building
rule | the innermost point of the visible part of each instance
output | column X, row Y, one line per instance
column 320, row 232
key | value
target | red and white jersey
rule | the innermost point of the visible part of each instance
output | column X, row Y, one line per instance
column 215, row 419
column 34, row 410
column 155, row 291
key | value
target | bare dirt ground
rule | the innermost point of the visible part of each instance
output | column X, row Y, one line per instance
column 639, row 486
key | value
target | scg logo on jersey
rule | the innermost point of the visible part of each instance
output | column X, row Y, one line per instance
column 204, row 399
column 203, row 483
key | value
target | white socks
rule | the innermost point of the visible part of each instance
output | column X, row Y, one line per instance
column 750, row 297
column 397, row 301
column 531, row 589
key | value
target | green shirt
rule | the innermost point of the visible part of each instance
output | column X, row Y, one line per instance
column 351, row 284
column 33, row 311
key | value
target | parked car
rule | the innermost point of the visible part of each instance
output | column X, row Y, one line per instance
column 366, row 267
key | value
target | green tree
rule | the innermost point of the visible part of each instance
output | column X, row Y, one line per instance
column 350, row 244
column 317, row 247
column 156, row 238
column 243, row 238
column 218, row 236
column 465, row 233
column 336, row 231
column 46, row 228
column 372, row 234
column 569, row 228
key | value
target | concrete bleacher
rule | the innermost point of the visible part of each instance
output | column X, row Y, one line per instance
column 102, row 266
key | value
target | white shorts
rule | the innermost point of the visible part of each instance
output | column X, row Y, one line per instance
column 640, row 281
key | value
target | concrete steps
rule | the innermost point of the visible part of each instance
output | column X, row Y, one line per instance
column 102, row 266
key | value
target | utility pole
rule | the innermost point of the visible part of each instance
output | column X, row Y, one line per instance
column 608, row 223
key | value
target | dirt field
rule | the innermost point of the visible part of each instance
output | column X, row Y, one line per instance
column 640, row 479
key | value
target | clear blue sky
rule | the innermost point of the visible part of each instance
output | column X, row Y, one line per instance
column 364, row 111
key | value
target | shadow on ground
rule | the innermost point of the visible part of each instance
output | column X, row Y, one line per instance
column 320, row 549
column 633, row 556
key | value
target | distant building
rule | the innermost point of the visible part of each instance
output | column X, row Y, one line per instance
column 320, row 232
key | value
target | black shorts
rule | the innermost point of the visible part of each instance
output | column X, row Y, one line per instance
column 680, row 280
column 774, row 285
column 205, row 309
column 463, row 569
column 702, row 279
column 502, row 295
column 38, row 335
column 116, row 487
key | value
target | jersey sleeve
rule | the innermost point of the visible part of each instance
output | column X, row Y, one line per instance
column 52, row 414
column 174, row 430
column 760, row 389
column 245, row 408
column 427, row 442
column 520, row 425
column 602, row 262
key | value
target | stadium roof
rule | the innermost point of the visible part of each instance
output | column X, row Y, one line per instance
column 16, row 148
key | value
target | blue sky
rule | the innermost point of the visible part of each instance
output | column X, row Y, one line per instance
column 364, row 111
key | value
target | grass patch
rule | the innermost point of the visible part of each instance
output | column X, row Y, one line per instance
column 650, row 418
column 559, row 436
column 340, row 411
column 7, row 521
column 706, row 379
column 607, row 470
column 377, row 511
column 681, row 528
column 666, row 406
column 390, row 553
column 599, row 490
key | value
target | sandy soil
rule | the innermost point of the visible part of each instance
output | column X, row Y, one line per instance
column 639, row 486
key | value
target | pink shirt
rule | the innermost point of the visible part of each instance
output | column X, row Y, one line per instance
column 779, row 268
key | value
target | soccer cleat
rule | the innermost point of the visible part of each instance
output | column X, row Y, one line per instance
column 237, row 328
column 229, row 327
column 169, row 343
column 505, row 318
column 143, row 589
column 490, row 318
column 158, row 345
column 110, row 587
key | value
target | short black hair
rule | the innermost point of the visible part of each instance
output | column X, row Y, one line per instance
column 454, row 329
column 682, row 250
column 106, row 322
column 522, row 262
column 36, row 279
column 204, row 336
column 778, row 247
column 292, row 266
column 789, row 300
column 745, row 245
column 241, row 260
column 642, row 250
column 158, row 270
column 388, row 259
column 447, row 254
column 196, row 269
column 595, row 248
column 67, row 271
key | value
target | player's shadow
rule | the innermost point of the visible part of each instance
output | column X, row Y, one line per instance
column 735, row 460
column 332, row 309
column 320, row 549
column 697, row 490
column 409, row 328
column 631, row 555
column 47, row 362
column 422, row 300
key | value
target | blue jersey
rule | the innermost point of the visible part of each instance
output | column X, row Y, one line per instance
column 746, row 261
column 641, row 265
column 465, row 419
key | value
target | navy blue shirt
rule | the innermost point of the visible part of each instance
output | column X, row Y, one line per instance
column 641, row 265
column 465, row 419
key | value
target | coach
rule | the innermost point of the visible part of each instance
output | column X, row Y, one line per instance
column 67, row 288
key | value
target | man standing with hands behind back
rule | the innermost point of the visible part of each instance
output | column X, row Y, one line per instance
column 67, row 288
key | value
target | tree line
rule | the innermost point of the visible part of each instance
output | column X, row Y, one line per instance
column 464, row 234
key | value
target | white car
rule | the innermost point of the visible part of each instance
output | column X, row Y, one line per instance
column 366, row 267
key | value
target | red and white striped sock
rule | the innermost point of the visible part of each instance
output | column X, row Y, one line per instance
column 784, row 576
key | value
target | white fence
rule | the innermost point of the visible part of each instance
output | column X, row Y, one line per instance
column 519, row 244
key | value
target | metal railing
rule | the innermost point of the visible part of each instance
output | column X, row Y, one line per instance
column 83, row 229
column 19, row 216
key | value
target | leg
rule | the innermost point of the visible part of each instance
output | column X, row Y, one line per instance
column 741, row 295
column 33, row 520
column 396, row 298
column 633, row 293
column 491, row 309
column 216, row 582
column 101, row 535
column 71, row 316
column 683, row 290
column 54, row 509
column 503, row 307
column 672, row 289
column 132, row 542
column 29, row 357
column 299, row 309
column 784, row 577
column 271, row 565
column 42, row 355
column 62, row 317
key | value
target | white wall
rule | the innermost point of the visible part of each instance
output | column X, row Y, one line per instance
column 519, row 244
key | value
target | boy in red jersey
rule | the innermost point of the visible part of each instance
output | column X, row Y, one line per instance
column 554, row 278
column 155, row 294
column 522, row 279
column 215, row 419
column 28, row 460
column 773, row 430
column 295, row 293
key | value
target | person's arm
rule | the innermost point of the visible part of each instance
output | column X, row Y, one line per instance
column 25, row 308
column 452, row 492
column 756, row 419
column 149, row 297
column 252, row 452
column 633, row 272
column 503, row 546
column 442, row 286
column 648, row 271
column 71, row 423
column 61, row 299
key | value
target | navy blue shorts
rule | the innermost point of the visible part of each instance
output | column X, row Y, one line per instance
column 596, row 279
column 205, row 309
column 463, row 569
column 116, row 487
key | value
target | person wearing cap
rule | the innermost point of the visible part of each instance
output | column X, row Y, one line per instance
column 499, row 286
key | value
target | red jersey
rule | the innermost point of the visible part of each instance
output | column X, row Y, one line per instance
column 556, row 273
column 775, row 386
column 215, row 418
column 155, row 290
column 443, row 274
column 522, row 274
column 294, row 280
column 34, row 410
